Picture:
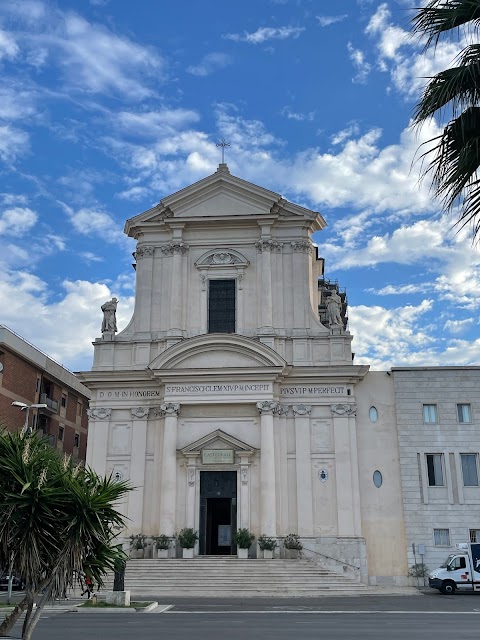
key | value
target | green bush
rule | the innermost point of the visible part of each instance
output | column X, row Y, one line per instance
column 161, row 542
column 138, row 541
column 243, row 538
column 267, row 544
column 418, row 570
column 292, row 542
column 187, row 538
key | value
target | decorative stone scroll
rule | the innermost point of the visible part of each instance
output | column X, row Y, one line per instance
column 344, row 410
column 167, row 409
column 267, row 406
column 99, row 414
column 175, row 247
column 191, row 476
column 301, row 409
column 140, row 412
column 282, row 409
column 305, row 246
column 144, row 251
column 269, row 245
column 244, row 474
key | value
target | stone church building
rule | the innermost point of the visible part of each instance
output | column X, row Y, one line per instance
column 232, row 398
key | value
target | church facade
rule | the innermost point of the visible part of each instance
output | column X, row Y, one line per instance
column 231, row 399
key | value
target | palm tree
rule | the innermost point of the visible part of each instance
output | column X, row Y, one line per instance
column 454, row 159
column 56, row 519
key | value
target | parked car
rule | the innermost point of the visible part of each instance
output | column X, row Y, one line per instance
column 17, row 582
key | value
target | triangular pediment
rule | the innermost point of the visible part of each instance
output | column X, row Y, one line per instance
column 220, row 196
column 218, row 440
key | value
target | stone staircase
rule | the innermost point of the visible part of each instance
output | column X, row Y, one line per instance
column 223, row 576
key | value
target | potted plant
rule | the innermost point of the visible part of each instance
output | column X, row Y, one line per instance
column 243, row 538
column 267, row 545
column 293, row 545
column 187, row 539
column 138, row 542
column 162, row 544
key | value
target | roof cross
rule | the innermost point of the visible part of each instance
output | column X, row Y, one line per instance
column 223, row 143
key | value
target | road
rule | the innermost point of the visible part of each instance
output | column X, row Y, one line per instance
column 332, row 618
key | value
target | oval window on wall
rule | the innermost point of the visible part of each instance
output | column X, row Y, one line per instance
column 373, row 413
column 377, row 479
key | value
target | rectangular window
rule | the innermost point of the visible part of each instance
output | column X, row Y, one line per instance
column 441, row 537
column 221, row 306
column 64, row 400
column 469, row 469
column 76, row 440
column 464, row 413
column 61, row 433
column 79, row 408
column 430, row 413
column 435, row 469
column 474, row 535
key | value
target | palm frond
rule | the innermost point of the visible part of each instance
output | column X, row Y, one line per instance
column 440, row 16
column 458, row 87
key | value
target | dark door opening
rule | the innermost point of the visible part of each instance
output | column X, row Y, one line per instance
column 218, row 512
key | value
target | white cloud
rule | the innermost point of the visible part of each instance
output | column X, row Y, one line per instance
column 263, row 34
column 76, row 312
column 134, row 193
column 402, row 289
column 8, row 46
column 13, row 143
column 95, row 222
column 362, row 67
column 92, row 57
column 345, row 134
column 17, row 221
column 13, row 198
column 16, row 103
column 389, row 337
column 326, row 21
column 296, row 115
column 404, row 57
column 88, row 256
column 153, row 124
column 458, row 326
column 209, row 64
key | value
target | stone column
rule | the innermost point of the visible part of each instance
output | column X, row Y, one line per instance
column 268, row 507
column 191, row 490
column 177, row 248
column 303, row 465
column 137, row 467
column 97, row 447
column 244, row 492
column 346, row 476
column 168, row 482
column 265, row 246
column 144, row 258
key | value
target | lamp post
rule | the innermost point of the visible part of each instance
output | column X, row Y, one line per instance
column 26, row 408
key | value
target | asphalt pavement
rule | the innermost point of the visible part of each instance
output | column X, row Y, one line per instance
column 366, row 617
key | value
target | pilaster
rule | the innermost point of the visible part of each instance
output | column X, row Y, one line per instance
column 137, row 466
column 304, row 469
column 267, row 468
column 168, row 484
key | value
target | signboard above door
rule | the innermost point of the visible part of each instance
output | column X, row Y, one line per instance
column 218, row 456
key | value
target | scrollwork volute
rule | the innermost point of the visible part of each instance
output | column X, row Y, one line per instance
column 140, row 412
column 167, row 409
column 301, row 409
column 99, row 414
column 267, row 406
column 344, row 410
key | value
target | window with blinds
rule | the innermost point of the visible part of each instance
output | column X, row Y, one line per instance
column 469, row 469
column 441, row 537
column 435, row 469
column 221, row 306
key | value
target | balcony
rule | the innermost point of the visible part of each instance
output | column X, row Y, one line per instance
column 52, row 405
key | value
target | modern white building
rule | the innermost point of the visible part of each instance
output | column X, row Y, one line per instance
column 232, row 399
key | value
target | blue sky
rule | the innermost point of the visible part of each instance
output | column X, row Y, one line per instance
column 107, row 106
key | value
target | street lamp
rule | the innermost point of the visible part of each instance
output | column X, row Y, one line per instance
column 26, row 408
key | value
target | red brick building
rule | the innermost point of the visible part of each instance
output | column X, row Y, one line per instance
column 28, row 375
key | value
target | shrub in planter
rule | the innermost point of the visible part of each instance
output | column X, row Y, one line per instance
column 138, row 542
column 187, row 538
column 292, row 542
column 161, row 542
column 266, row 544
column 243, row 538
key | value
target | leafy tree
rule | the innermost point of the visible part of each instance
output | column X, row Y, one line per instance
column 57, row 519
column 454, row 159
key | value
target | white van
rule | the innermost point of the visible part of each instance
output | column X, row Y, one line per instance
column 461, row 570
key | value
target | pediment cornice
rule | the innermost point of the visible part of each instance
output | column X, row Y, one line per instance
column 230, row 441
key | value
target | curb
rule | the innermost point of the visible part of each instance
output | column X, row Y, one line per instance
column 80, row 609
